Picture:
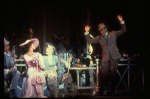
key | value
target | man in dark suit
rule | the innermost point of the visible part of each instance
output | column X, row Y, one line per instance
column 110, row 52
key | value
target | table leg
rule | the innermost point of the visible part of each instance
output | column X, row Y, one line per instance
column 97, row 77
column 77, row 78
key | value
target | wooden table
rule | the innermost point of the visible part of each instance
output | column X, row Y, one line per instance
column 78, row 70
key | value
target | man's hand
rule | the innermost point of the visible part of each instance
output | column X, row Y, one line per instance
column 70, row 59
column 120, row 18
column 90, row 49
column 87, row 28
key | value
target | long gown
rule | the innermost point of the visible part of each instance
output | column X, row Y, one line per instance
column 51, row 63
column 33, row 83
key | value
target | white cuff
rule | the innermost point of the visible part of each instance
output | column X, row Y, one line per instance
column 86, row 33
column 67, row 64
column 123, row 22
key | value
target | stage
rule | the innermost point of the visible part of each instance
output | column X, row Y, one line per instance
column 88, row 93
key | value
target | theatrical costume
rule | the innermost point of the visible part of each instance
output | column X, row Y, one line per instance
column 62, row 53
column 110, row 55
column 33, row 83
column 52, row 62
column 10, row 71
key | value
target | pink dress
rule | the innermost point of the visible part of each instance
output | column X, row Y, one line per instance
column 33, row 84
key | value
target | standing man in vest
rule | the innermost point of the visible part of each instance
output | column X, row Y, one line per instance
column 110, row 53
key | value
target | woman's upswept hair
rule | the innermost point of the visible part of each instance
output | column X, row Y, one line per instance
column 53, row 48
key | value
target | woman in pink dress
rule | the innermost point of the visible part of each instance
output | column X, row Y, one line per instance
column 33, row 83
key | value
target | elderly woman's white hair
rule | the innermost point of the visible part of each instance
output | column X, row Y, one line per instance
column 49, row 45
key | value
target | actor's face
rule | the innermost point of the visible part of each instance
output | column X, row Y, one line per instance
column 32, row 46
column 103, row 31
column 49, row 51
column 6, row 48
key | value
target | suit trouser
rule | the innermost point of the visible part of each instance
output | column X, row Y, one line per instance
column 108, row 69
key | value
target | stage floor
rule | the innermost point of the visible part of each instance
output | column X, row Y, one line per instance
column 87, row 93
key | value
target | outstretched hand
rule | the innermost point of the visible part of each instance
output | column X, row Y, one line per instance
column 120, row 18
column 87, row 28
column 70, row 59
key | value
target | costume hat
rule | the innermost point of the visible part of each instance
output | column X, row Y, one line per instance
column 6, row 42
column 35, row 41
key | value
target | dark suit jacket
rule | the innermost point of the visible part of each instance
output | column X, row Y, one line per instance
column 111, row 47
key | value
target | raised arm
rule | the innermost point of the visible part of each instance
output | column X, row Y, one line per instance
column 123, row 27
column 87, row 36
column 67, row 63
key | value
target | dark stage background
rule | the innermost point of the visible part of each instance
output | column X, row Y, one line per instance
column 68, row 19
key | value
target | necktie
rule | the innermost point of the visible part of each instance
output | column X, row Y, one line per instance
column 106, row 38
